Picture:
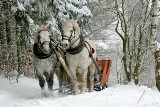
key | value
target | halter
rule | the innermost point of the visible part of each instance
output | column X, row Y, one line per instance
column 37, row 48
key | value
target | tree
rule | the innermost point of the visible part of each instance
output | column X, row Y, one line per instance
column 133, row 27
column 154, row 45
column 8, row 42
column 19, row 20
column 103, row 17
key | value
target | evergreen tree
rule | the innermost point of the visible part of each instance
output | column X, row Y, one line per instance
column 19, row 20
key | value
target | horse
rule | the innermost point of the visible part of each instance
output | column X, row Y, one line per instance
column 44, row 58
column 78, row 57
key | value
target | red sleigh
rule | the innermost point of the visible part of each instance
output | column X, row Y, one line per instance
column 103, row 76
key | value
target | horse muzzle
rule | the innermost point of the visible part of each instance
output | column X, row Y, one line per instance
column 65, row 45
column 46, row 47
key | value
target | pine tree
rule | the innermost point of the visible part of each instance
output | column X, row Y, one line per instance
column 20, row 19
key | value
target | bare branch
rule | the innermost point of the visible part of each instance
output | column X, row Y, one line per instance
column 116, row 29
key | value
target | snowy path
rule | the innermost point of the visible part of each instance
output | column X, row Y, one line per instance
column 27, row 93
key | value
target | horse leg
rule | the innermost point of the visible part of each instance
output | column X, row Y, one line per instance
column 41, row 81
column 74, row 86
column 74, row 81
column 91, row 70
column 49, row 79
column 59, row 74
column 50, row 82
column 83, row 87
column 60, row 78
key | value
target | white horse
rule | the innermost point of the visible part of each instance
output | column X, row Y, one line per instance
column 44, row 60
column 77, row 56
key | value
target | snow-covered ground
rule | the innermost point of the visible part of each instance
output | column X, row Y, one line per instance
column 27, row 93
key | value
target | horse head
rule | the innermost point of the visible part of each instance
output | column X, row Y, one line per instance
column 70, row 33
column 43, row 39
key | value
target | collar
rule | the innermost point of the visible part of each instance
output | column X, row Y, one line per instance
column 77, row 49
column 39, row 54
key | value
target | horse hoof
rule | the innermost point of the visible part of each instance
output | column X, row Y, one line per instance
column 91, row 90
column 44, row 93
column 82, row 92
column 75, row 93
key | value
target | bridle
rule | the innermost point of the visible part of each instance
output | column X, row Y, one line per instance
column 69, row 38
column 39, row 43
column 37, row 48
column 78, row 48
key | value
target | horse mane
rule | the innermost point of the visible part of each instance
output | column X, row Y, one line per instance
column 75, row 25
column 41, row 27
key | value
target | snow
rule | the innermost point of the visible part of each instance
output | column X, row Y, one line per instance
column 84, row 10
column 78, row 1
column 102, row 45
column 158, row 46
column 27, row 93
column 30, row 20
column 20, row 6
column 90, row 1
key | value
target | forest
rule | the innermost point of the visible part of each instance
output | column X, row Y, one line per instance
column 125, row 31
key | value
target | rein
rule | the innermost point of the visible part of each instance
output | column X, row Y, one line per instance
column 91, row 56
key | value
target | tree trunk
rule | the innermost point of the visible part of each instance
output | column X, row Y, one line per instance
column 132, row 32
column 125, row 63
column 153, row 43
column 138, row 67
column 157, row 71
column 18, row 34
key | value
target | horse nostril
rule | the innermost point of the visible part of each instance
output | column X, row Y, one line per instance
column 65, row 45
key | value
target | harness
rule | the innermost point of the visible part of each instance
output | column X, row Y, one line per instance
column 90, row 50
column 38, row 51
column 64, row 37
column 79, row 48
